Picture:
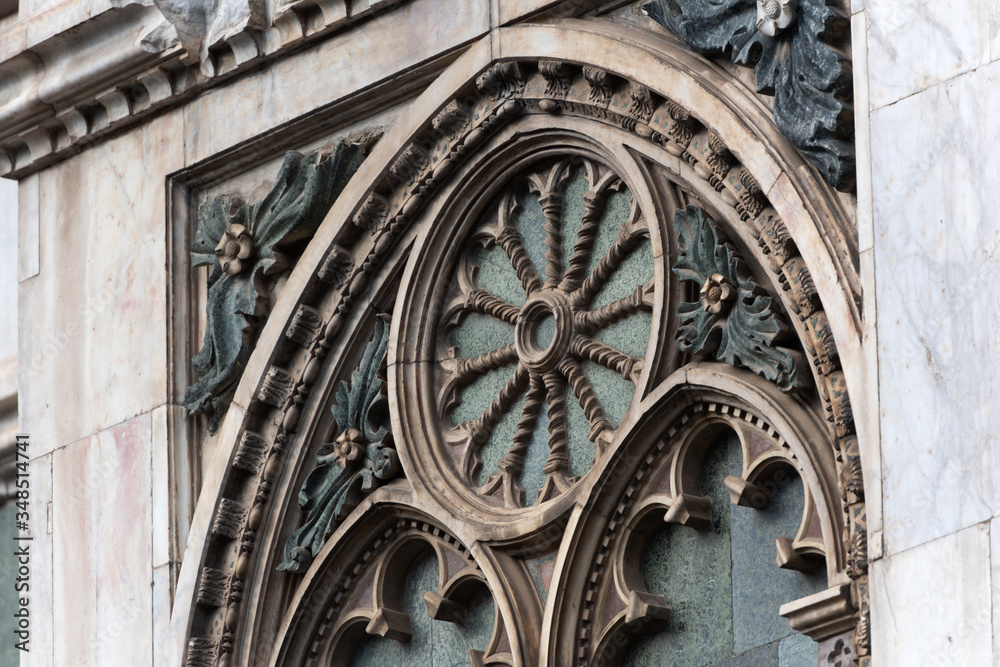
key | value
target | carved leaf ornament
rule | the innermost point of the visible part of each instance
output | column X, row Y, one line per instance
column 734, row 320
column 359, row 460
column 243, row 243
column 790, row 46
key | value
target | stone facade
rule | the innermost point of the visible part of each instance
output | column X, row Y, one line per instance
column 338, row 319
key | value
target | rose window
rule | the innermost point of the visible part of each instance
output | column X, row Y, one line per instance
column 545, row 337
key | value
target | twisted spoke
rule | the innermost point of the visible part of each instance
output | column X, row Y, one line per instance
column 591, row 320
column 587, row 348
column 469, row 369
column 548, row 187
column 481, row 429
column 601, row 428
column 512, row 464
column 509, row 239
column 481, row 301
column 631, row 235
column 558, row 460
column 595, row 202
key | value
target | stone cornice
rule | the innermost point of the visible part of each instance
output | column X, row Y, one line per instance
column 106, row 73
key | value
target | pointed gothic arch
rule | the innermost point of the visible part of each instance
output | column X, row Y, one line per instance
column 675, row 130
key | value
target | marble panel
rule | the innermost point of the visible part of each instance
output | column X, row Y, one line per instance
column 97, row 311
column 511, row 10
column 937, row 239
column 931, row 603
column 102, row 559
column 162, row 601
column 8, row 268
column 865, row 401
column 27, row 228
column 162, row 491
column 994, row 12
column 42, row 600
column 402, row 39
column 914, row 44
column 862, row 131
column 797, row 651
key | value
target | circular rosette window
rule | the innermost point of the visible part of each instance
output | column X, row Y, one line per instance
column 545, row 310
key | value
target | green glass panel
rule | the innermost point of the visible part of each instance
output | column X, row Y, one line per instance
column 533, row 477
column 759, row 586
column 479, row 334
column 545, row 331
column 497, row 276
column 692, row 570
column 434, row 643
column 630, row 335
column 531, row 223
column 635, row 270
column 613, row 391
column 478, row 395
column 500, row 441
column 581, row 449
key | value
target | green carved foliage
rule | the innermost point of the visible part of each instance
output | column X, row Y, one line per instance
column 247, row 243
column 802, row 66
column 734, row 320
column 360, row 460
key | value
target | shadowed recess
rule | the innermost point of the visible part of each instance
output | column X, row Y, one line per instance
column 723, row 583
column 434, row 643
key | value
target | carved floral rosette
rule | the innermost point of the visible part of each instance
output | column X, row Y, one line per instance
column 519, row 132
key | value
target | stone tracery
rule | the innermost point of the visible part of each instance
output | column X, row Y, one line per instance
column 513, row 91
column 555, row 330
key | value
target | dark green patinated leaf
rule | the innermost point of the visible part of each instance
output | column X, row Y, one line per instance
column 333, row 489
column 305, row 190
column 810, row 82
column 747, row 332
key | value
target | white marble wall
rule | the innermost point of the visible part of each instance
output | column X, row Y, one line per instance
column 8, row 269
column 92, row 271
column 928, row 178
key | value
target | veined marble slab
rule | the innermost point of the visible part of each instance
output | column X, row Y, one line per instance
column 915, row 44
column 937, row 262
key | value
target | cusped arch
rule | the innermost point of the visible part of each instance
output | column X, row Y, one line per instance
column 273, row 403
column 649, row 482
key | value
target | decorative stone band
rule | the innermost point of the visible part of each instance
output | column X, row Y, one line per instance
column 503, row 93
column 40, row 133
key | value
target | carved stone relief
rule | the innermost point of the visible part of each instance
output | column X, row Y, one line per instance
column 517, row 174
column 245, row 245
column 795, row 49
column 543, row 302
